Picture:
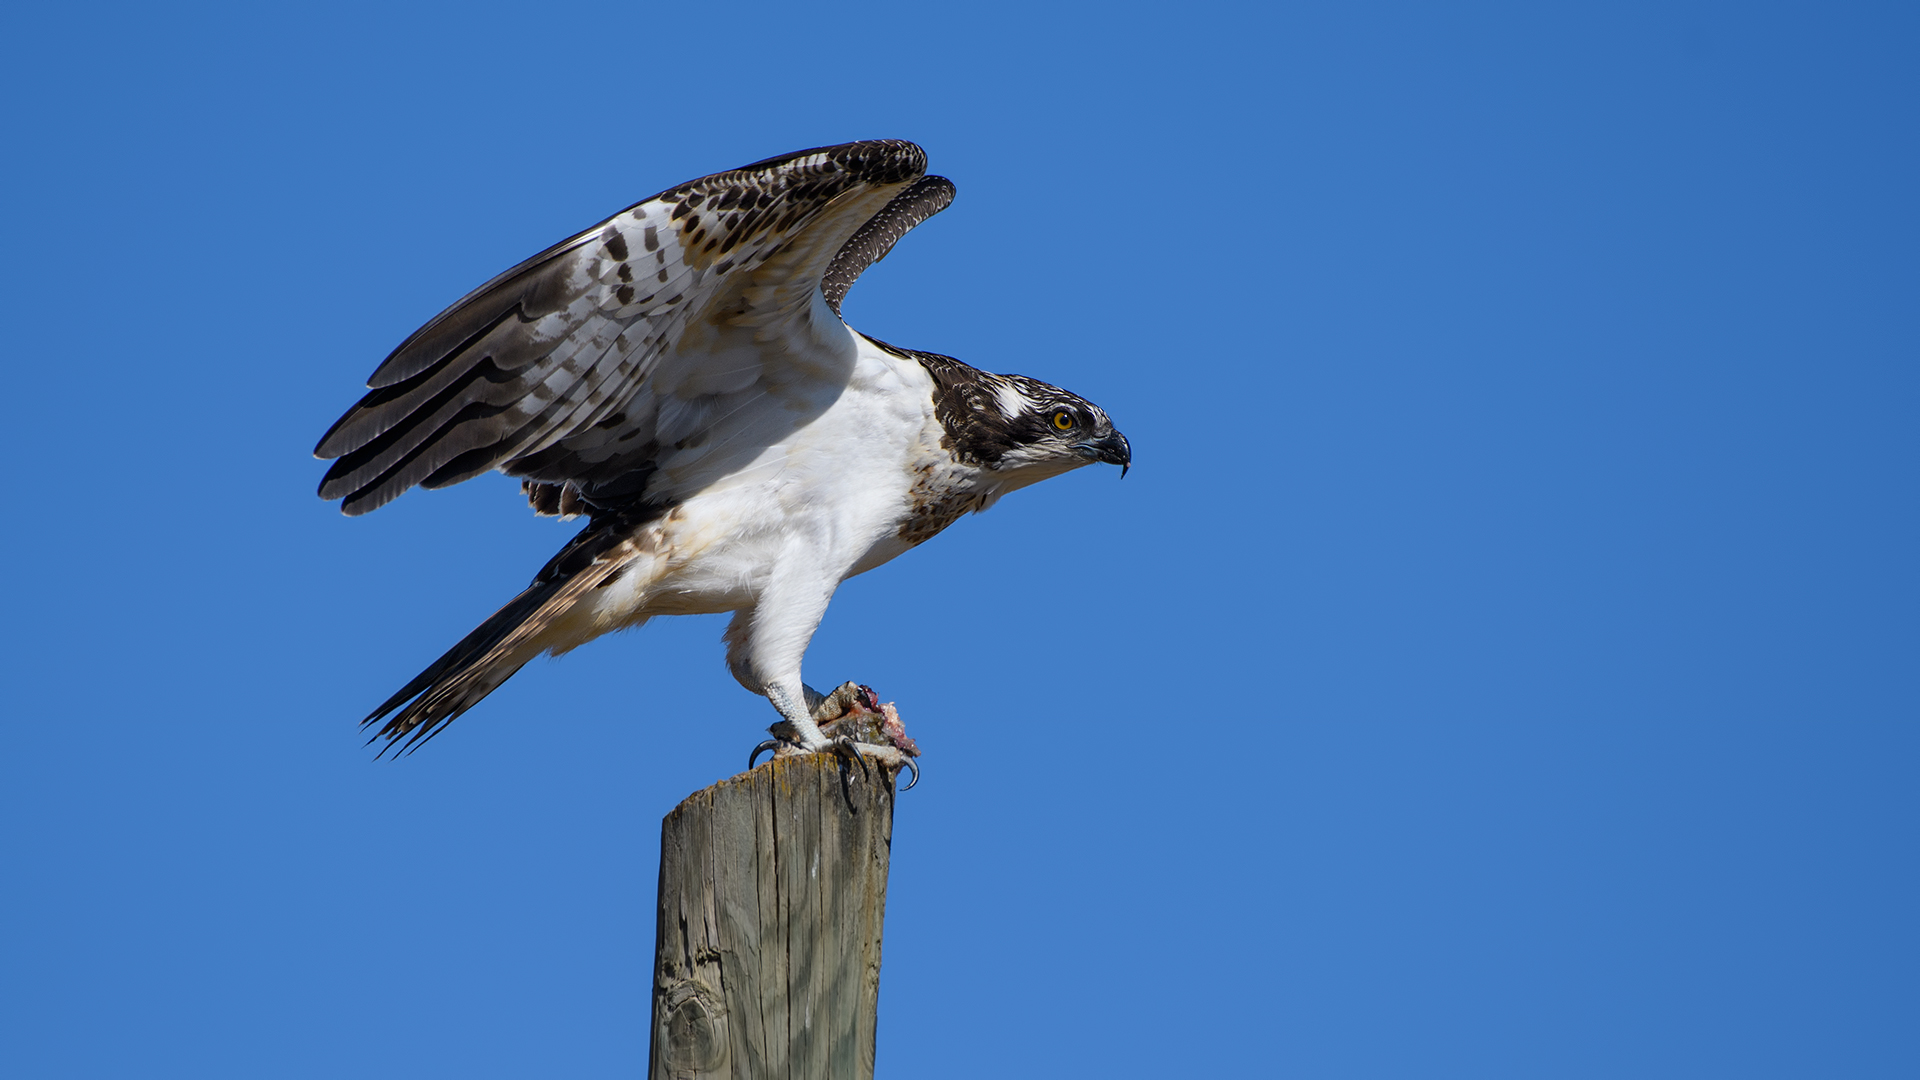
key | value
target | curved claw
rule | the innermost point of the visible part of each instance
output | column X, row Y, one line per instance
column 847, row 748
column 770, row 744
column 908, row 762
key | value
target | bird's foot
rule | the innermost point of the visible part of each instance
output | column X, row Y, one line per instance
column 862, row 726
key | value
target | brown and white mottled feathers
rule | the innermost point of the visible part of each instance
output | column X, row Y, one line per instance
column 553, row 370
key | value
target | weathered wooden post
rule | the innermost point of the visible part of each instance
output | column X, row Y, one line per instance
column 773, row 885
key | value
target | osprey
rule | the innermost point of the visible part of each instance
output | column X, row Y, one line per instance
column 680, row 375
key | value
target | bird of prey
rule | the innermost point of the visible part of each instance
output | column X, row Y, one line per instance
column 680, row 375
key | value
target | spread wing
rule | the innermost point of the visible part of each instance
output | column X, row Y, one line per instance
column 549, row 370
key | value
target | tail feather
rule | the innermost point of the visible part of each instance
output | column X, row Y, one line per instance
column 502, row 645
column 432, row 706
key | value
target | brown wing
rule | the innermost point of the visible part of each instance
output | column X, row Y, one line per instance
column 521, row 373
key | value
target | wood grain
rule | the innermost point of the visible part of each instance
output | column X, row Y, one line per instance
column 773, row 886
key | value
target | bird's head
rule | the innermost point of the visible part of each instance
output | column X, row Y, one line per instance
column 1025, row 430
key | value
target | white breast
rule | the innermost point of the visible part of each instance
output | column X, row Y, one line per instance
column 836, row 483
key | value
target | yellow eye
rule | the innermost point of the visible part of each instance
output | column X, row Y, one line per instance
column 1062, row 420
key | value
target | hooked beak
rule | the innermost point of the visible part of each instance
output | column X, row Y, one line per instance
column 1111, row 448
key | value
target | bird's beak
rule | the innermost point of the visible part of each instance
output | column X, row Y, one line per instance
column 1111, row 448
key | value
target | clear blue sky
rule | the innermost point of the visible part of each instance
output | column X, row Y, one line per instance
column 1500, row 662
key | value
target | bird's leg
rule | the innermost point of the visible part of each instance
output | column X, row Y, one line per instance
column 750, row 659
column 765, row 644
column 795, row 716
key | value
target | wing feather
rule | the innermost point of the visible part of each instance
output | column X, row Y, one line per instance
column 926, row 197
column 542, row 355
